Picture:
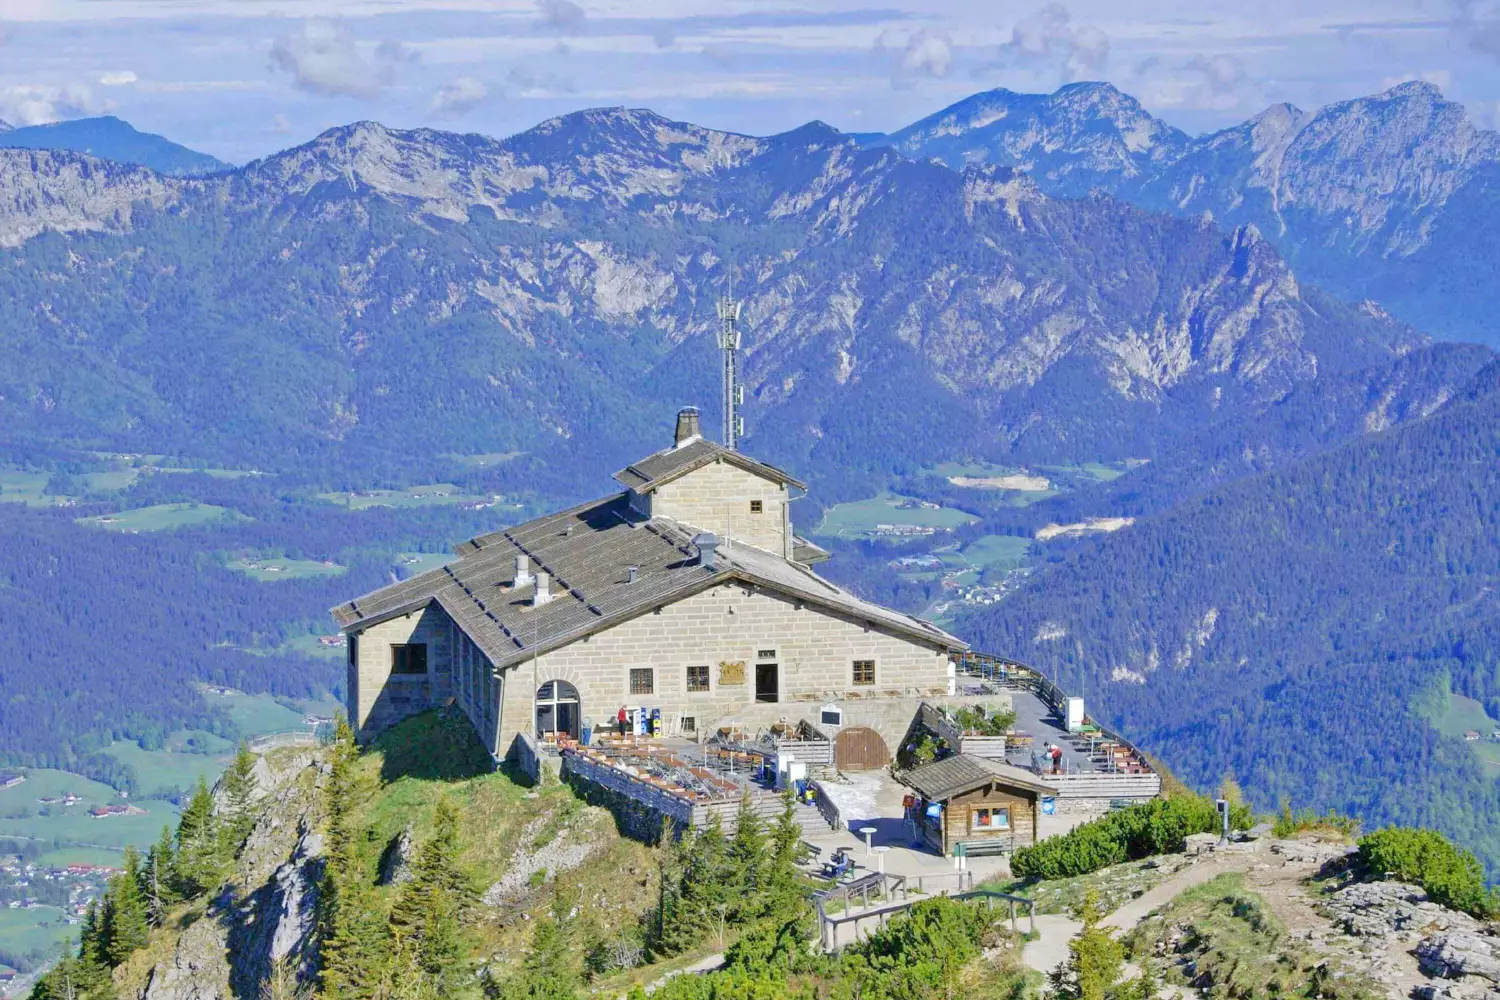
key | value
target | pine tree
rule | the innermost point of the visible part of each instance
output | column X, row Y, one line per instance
column 746, row 861
column 238, row 787
column 1147, row 985
column 1092, row 970
column 125, row 926
column 198, row 866
column 159, row 878
column 785, row 899
column 352, row 940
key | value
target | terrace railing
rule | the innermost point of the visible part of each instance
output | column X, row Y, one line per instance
column 1018, row 674
column 955, row 885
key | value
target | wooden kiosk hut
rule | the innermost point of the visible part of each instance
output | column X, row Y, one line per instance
column 987, row 806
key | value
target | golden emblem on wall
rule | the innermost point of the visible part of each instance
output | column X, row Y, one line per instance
column 731, row 671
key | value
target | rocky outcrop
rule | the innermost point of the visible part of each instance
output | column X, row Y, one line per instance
column 264, row 918
column 1456, row 955
column 395, row 864
column 198, row 968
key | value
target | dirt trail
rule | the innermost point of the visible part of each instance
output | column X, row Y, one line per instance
column 1050, row 949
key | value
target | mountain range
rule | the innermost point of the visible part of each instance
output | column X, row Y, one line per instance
column 553, row 292
column 110, row 138
column 1020, row 279
column 1391, row 197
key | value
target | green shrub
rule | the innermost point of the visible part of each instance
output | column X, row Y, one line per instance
column 1450, row 875
column 1139, row 831
column 1289, row 823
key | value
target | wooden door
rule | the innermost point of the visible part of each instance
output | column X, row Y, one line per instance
column 859, row 748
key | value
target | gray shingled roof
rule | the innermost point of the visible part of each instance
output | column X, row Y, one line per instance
column 668, row 464
column 943, row 779
column 588, row 551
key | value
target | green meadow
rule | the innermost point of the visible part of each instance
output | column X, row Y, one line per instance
column 163, row 517
column 861, row 518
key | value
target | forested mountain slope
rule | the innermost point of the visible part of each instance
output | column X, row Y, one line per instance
column 1391, row 197
column 109, row 138
column 1286, row 628
column 377, row 294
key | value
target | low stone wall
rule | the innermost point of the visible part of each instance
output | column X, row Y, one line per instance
column 641, row 809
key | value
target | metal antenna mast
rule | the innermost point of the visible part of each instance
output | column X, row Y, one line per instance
column 729, row 343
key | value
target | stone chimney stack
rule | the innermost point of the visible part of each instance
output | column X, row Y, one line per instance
column 708, row 549
column 523, row 571
column 543, row 589
column 688, row 427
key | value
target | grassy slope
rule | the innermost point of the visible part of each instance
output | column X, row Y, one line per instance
column 1225, row 939
column 403, row 776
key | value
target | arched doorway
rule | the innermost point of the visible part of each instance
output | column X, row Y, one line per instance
column 558, row 709
column 859, row 748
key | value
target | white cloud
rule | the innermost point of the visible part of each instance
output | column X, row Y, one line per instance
column 1050, row 34
column 324, row 57
column 563, row 16
column 280, row 125
column 119, row 79
column 928, row 53
column 458, row 97
column 922, row 54
column 1218, row 82
column 41, row 105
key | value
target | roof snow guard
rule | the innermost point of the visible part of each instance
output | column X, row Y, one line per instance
column 606, row 563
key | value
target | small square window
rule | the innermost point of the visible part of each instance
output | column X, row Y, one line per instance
column 990, row 819
column 689, row 724
column 697, row 678
column 642, row 680
column 864, row 671
column 410, row 658
column 756, row 506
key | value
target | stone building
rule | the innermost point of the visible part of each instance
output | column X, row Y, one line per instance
column 686, row 599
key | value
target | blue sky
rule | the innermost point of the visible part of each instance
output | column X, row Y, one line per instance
column 243, row 78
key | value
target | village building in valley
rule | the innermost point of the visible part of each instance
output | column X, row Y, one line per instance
column 684, row 599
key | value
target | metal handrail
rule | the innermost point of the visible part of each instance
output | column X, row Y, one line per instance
column 1036, row 682
column 828, row 925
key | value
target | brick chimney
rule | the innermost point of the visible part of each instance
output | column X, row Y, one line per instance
column 688, row 427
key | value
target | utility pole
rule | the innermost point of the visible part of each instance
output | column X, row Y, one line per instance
column 729, row 343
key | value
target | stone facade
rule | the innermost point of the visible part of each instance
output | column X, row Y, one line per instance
column 719, row 498
column 378, row 698
column 814, row 650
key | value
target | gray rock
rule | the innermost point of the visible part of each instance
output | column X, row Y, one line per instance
column 1455, row 955
column 199, row 966
column 395, row 866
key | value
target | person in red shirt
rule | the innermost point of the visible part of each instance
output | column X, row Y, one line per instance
column 1056, row 759
column 620, row 721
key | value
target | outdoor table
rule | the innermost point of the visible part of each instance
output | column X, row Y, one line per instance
column 880, row 853
column 869, row 832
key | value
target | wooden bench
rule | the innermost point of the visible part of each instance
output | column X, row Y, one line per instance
column 982, row 848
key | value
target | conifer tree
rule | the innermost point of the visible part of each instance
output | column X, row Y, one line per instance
column 746, row 859
column 783, row 885
column 352, row 940
column 159, row 878
column 125, row 925
column 238, row 787
column 1092, row 970
column 198, row 866
column 427, row 913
